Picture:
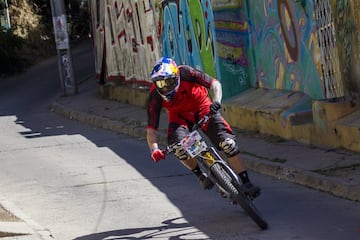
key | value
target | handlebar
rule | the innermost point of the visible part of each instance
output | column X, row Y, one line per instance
column 170, row 148
column 202, row 121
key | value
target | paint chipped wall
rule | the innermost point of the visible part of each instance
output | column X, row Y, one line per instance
column 125, row 35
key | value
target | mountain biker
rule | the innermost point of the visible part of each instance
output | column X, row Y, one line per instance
column 183, row 92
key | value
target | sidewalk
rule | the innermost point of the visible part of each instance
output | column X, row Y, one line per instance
column 15, row 225
column 330, row 170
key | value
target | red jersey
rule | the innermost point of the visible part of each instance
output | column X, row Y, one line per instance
column 190, row 103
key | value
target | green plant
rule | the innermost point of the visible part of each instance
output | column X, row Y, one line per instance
column 10, row 58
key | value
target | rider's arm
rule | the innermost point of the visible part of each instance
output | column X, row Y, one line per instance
column 188, row 73
column 152, row 138
column 154, row 105
column 217, row 90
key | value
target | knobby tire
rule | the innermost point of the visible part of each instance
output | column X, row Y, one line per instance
column 226, row 180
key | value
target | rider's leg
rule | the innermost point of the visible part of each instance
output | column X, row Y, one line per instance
column 237, row 165
column 190, row 163
column 220, row 132
column 230, row 148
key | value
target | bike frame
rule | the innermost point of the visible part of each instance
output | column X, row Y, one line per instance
column 209, row 158
column 198, row 146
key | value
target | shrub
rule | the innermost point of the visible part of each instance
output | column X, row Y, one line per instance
column 10, row 57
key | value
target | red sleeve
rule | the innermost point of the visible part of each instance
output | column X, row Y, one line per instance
column 190, row 74
column 154, row 105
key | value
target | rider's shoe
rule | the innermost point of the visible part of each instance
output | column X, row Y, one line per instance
column 205, row 182
column 251, row 190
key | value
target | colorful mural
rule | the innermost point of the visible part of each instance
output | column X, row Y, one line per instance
column 188, row 34
column 232, row 34
column 212, row 40
column 271, row 44
column 285, row 46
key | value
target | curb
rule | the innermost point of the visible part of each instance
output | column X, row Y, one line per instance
column 25, row 227
column 303, row 177
column 278, row 170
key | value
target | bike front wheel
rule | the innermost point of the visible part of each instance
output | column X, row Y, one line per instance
column 228, row 181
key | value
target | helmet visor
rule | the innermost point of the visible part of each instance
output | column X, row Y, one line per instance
column 166, row 85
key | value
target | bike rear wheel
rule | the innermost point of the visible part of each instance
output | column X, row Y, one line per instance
column 227, row 180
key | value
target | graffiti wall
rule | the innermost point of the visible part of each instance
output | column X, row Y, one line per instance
column 130, row 35
column 210, row 36
column 232, row 35
column 125, row 39
column 272, row 44
column 188, row 34
column 285, row 46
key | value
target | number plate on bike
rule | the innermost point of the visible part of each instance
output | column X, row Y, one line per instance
column 193, row 144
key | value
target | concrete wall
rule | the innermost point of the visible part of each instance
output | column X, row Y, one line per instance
column 347, row 25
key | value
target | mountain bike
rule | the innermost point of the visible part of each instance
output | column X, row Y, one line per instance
column 227, row 182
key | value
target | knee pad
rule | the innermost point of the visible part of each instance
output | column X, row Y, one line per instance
column 180, row 153
column 229, row 146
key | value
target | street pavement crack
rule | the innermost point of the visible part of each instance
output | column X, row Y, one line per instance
column 128, row 180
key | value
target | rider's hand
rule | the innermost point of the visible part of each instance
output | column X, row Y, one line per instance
column 157, row 155
column 214, row 107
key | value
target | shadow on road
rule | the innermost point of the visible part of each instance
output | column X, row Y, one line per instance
column 177, row 228
column 27, row 103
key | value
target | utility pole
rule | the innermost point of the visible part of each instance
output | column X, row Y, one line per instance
column 4, row 15
column 67, row 79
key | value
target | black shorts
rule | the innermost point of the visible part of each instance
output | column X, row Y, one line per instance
column 217, row 130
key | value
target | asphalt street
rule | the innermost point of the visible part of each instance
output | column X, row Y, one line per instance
column 78, row 168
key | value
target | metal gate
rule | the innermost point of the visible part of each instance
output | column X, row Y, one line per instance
column 330, row 68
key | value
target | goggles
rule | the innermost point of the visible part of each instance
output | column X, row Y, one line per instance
column 165, row 85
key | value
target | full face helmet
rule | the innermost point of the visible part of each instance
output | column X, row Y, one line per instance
column 165, row 75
